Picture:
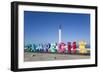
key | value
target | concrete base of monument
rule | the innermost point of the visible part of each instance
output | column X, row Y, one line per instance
column 32, row 56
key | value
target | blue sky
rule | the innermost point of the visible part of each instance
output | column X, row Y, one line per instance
column 40, row 27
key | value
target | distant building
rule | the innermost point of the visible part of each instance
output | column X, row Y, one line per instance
column 59, row 33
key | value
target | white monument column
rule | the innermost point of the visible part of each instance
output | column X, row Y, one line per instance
column 59, row 33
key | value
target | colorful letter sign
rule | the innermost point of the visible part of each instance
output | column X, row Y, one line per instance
column 82, row 47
